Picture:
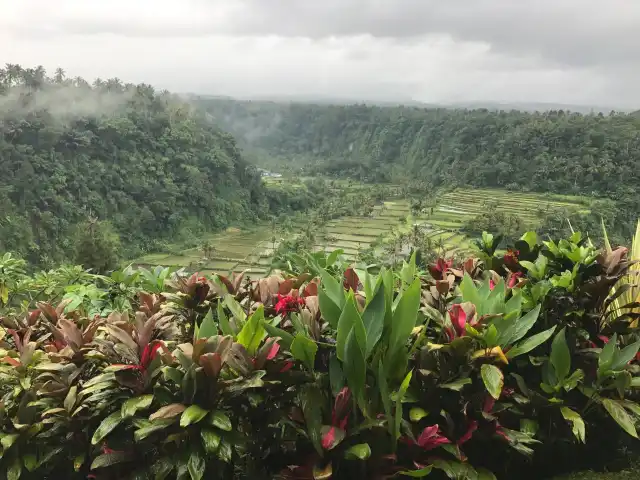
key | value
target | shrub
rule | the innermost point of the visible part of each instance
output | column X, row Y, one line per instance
column 487, row 368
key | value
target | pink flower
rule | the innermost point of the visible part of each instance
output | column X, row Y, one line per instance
column 431, row 438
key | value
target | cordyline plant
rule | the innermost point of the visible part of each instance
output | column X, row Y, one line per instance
column 468, row 371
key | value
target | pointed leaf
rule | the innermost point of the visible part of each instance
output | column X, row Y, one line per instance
column 373, row 319
column 208, row 327
column 620, row 415
column 577, row 424
column 493, row 379
column 530, row 343
column 168, row 411
column 106, row 427
column 132, row 405
column 560, row 356
column 220, row 420
column 210, row 440
column 253, row 332
column 405, row 316
column 196, row 465
column 193, row 414
column 361, row 451
column 304, row 349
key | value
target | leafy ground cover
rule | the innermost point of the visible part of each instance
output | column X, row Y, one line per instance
column 516, row 365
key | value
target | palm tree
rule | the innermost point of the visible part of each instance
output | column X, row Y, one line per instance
column 59, row 75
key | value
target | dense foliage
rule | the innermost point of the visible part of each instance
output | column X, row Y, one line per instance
column 554, row 151
column 511, row 364
column 143, row 164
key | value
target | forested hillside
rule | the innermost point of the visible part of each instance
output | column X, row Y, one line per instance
column 554, row 151
column 111, row 166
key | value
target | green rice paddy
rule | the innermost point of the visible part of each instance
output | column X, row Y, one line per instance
column 251, row 249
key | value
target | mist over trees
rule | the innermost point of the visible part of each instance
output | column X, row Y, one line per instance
column 146, row 162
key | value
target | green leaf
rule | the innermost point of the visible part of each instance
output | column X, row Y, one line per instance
column 30, row 461
column 404, row 386
column 355, row 367
column 168, row 411
column 493, row 379
column 253, row 332
column 524, row 324
column 132, row 405
column 361, row 451
column 349, row 318
column 457, row 385
column 606, row 356
column 8, row 440
column 236, row 309
column 210, row 440
column 156, row 426
column 373, row 319
column 416, row 414
column 423, row 472
column 223, row 321
column 225, row 452
column 531, row 238
column 106, row 427
column 329, row 310
column 220, row 420
column 208, row 327
column 577, row 424
column 386, row 401
column 304, row 349
column 624, row 356
column 530, row 343
column 286, row 339
column 70, row 399
column 311, row 403
column 196, row 465
column 560, row 356
column 620, row 415
column 405, row 316
column 15, row 470
column 110, row 459
column 193, row 414
column 332, row 288
column 162, row 468
column 469, row 291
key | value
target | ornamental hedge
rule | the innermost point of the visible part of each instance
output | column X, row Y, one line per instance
column 508, row 365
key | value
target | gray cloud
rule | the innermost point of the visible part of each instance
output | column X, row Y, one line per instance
column 583, row 51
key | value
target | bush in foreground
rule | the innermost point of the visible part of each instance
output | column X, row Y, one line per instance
column 509, row 365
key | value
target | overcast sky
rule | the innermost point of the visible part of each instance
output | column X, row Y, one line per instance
column 564, row 51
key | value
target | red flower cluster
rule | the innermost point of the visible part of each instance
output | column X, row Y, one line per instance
column 288, row 303
column 511, row 257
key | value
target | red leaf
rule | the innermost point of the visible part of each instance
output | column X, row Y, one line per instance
column 351, row 280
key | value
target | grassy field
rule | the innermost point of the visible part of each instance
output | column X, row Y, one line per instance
column 241, row 249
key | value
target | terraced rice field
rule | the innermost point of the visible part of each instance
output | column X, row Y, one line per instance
column 237, row 250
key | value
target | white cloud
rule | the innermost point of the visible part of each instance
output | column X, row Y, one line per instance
column 502, row 50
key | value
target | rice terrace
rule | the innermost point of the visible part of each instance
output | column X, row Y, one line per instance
column 251, row 248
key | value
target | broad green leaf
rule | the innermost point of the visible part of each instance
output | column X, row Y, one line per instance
column 493, row 379
column 253, row 331
column 405, row 316
column 373, row 319
column 333, row 256
column 524, row 324
column 328, row 308
column 70, row 399
column 225, row 452
column 332, row 288
column 220, row 420
column 470, row 291
column 162, row 468
column 423, row 472
column 624, row 356
column 456, row 385
column 15, row 469
column 193, row 414
column 336, row 375
column 156, row 426
column 530, row 343
column 620, row 415
column 8, row 440
column 577, row 424
column 110, row 459
column 132, row 405
column 360, row 451
column 531, row 238
column 304, row 349
column 355, row 368
column 210, row 440
column 30, row 461
column 223, row 321
column 106, row 427
column 416, row 414
column 606, row 356
column 402, row 391
column 208, row 327
column 196, row 465
column 311, row 404
column 235, row 308
column 386, row 401
column 349, row 319
column 286, row 339
column 560, row 356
